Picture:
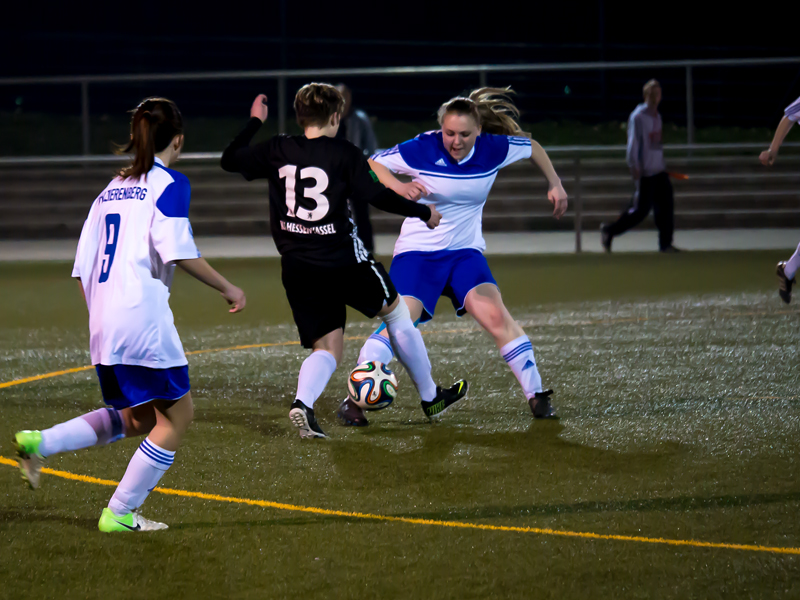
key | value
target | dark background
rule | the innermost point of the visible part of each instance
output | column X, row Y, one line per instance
column 49, row 39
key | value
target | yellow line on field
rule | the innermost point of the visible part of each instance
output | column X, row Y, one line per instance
column 429, row 522
column 45, row 376
column 193, row 352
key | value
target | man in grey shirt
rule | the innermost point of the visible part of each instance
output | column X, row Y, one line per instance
column 356, row 128
column 646, row 162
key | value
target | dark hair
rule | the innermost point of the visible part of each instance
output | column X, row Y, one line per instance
column 155, row 123
column 315, row 103
column 491, row 108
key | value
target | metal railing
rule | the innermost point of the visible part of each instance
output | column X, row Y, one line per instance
column 480, row 70
column 574, row 156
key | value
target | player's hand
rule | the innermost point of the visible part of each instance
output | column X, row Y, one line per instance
column 259, row 110
column 558, row 198
column 235, row 297
column 635, row 174
column 412, row 190
column 767, row 158
column 436, row 217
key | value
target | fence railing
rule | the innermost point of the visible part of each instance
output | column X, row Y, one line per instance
column 481, row 71
column 573, row 159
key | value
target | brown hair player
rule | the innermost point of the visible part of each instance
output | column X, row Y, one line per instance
column 136, row 232
column 325, row 267
column 786, row 269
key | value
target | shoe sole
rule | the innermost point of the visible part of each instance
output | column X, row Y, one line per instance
column 298, row 418
column 25, row 460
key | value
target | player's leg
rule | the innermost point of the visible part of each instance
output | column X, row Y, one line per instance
column 151, row 460
column 664, row 211
column 96, row 428
column 636, row 212
column 315, row 373
column 486, row 306
column 378, row 348
column 314, row 295
column 786, row 275
column 420, row 278
column 378, row 297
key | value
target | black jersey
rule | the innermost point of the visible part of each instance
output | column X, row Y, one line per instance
column 310, row 181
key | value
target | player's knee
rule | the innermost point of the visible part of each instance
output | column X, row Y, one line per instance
column 399, row 313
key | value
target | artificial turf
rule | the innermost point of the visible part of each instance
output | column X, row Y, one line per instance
column 675, row 377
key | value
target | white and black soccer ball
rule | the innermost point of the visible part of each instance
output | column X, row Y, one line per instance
column 372, row 386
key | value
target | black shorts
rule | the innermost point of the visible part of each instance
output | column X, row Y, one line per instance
column 319, row 295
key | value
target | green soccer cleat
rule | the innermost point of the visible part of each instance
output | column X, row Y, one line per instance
column 30, row 461
column 110, row 522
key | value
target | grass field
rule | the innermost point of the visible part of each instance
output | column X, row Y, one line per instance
column 676, row 378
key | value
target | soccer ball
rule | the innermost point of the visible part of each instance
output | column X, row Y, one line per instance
column 372, row 386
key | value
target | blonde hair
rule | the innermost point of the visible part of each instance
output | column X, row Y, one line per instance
column 315, row 103
column 491, row 108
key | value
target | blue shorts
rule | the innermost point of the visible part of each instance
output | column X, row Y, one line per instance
column 427, row 276
column 124, row 386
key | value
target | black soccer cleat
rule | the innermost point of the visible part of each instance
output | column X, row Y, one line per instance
column 445, row 398
column 605, row 238
column 350, row 413
column 784, row 283
column 303, row 418
column 541, row 407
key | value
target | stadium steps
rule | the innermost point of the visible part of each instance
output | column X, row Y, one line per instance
column 721, row 192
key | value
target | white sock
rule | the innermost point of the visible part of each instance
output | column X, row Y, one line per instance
column 147, row 466
column 792, row 264
column 377, row 348
column 410, row 349
column 96, row 428
column 315, row 373
column 518, row 354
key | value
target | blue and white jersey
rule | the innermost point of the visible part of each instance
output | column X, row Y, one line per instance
column 136, row 228
column 792, row 111
column 459, row 190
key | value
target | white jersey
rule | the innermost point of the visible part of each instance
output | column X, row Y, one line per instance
column 459, row 190
column 135, row 230
column 792, row 111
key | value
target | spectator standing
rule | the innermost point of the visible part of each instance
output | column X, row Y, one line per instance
column 356, row 128
column 646, row 161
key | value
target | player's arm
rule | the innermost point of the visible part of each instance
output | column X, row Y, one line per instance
column 83, row 292
column 555, row 193
column 769, row 155
column 202, row 271
column 239, row 156
column 366, row 189
column 412, row 190
column 390, row 201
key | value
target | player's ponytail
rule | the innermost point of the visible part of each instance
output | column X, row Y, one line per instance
column 155, row 123
column 491, row 108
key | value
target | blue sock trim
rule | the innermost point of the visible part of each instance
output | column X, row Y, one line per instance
column 157, row 455
column 382, row 339
column 521, row 349
column 117, row 425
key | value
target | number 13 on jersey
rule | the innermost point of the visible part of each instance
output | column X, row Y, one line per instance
column 289, row 172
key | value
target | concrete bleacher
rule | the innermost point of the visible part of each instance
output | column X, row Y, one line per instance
column 725, row 191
